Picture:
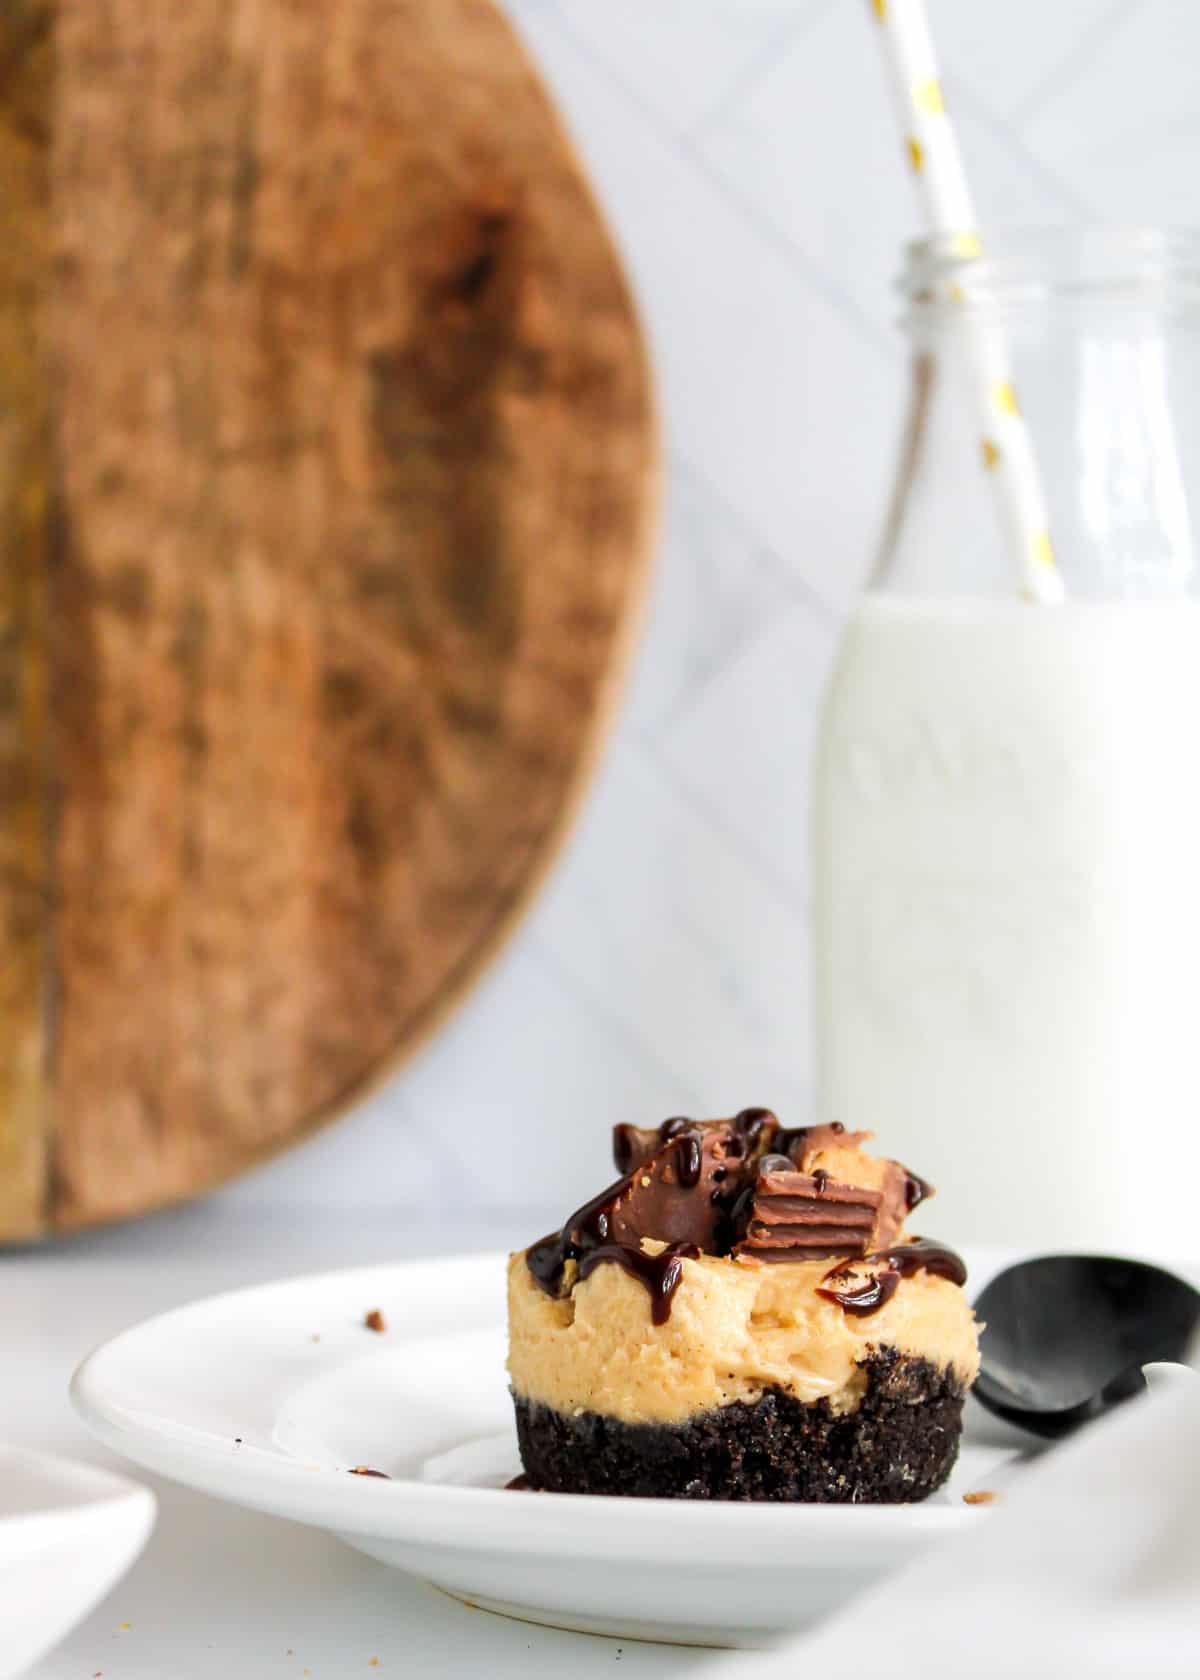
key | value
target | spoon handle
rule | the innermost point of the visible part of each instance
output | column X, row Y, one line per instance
column 1164, row 1374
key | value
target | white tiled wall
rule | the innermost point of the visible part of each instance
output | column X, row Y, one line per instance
column 746, row 154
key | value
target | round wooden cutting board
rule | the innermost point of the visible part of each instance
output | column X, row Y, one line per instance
column 326, row 478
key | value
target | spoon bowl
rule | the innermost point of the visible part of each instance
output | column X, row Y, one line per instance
column 1066, row 1336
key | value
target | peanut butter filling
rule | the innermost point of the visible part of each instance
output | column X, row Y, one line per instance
column 734, row 1331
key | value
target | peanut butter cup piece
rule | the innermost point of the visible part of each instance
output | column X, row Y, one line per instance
column 754, row 1128
column 840, row 1154
column 803, row 1216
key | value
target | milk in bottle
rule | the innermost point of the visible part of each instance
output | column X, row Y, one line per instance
column 1007, row 796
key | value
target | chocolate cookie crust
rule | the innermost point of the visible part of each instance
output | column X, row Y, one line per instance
column 898, row 1446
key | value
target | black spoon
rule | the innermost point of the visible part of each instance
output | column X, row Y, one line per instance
column 1067, row 1336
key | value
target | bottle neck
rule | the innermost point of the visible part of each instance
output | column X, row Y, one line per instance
column 1111, row 401
column 1097, row 331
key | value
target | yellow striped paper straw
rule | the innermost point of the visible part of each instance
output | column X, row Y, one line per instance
column 936, row 163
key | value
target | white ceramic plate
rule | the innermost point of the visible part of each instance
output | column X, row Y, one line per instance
column 67, row 1534
column 270, row 1396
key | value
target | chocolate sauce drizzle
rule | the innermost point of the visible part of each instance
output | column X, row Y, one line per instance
column 920, row 1255
column 793, row 1140
column 591, row 1235
column 916, row 1189
column 687, row 1159
column 860, row 1303
column 588, row 1228
column 750, row 1123
column 736, row 1210
column 634, row 1145
column 625, row 1147
column 659, row 1273
column 677, row 1156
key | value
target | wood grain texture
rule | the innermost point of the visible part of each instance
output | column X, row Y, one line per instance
column 25, row 521
column 342, row 508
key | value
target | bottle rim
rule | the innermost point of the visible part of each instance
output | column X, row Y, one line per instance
column 1027, row 267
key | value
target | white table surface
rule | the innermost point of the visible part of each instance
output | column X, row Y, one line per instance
column 226, row 1593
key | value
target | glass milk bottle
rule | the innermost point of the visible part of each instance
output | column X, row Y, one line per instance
column 1007, row 798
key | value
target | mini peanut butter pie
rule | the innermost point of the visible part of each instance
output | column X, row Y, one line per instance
column 742, row 1315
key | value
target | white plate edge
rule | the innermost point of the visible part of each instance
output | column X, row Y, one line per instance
column 440, row 1514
